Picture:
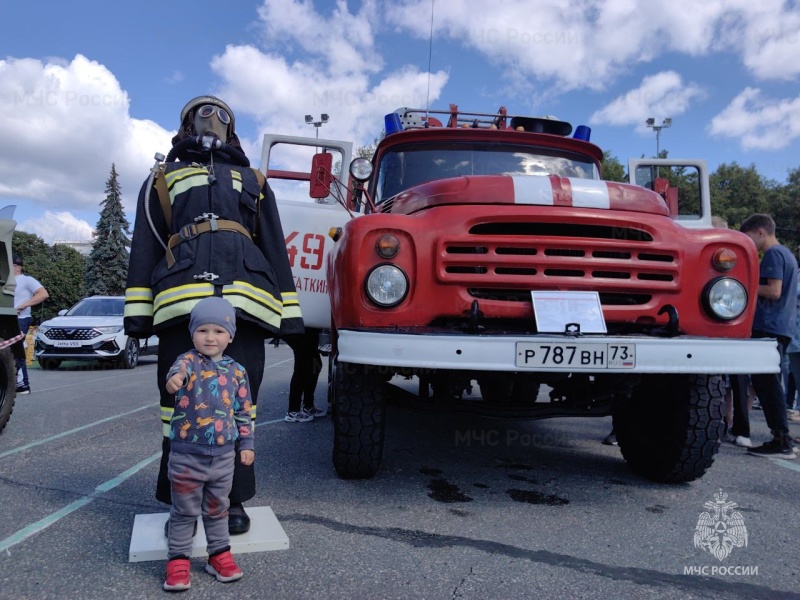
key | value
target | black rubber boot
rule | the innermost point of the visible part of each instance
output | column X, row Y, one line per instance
column 238, row 521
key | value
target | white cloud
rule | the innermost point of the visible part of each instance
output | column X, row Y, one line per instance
column 334, row 76
column 661, row 95
column 574, row 44
column 69, row 122
column 757, row 122
column 58, row 226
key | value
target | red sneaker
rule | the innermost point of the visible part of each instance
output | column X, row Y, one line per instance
column 178, row 575
column 223, row 567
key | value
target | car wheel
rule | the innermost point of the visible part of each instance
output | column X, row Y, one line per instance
column 49, row 364
column 130, row 356
column 8, row 385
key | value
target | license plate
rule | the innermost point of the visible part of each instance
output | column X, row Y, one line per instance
column 67, row 344
column 565, row 355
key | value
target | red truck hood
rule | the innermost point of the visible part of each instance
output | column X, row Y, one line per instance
column 507, row 189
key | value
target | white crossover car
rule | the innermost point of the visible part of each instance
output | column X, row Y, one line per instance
column 90, row 330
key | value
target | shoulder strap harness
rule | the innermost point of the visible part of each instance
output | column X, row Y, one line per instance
column 205, row 223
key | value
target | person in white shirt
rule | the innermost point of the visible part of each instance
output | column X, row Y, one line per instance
column 29, row 292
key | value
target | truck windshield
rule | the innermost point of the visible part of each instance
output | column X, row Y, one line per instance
column 406, row 166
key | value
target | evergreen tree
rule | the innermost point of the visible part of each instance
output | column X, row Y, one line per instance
column 107, row 267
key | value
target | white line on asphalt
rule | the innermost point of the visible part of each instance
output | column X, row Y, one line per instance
column 277, row 364
column 786, row 463
column 76, row 430
column 44, row 523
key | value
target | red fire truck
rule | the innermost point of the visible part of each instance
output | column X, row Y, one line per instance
column 482, row 257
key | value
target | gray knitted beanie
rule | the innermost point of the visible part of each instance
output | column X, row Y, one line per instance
column 213, row 310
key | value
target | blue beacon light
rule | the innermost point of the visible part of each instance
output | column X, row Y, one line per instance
column 392, row 123
column 582, row 132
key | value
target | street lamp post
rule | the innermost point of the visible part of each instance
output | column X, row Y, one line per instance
column 651, row 122
column 317, row 124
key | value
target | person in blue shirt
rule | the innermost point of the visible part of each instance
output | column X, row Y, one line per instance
column 776, row 314
column 793, row 353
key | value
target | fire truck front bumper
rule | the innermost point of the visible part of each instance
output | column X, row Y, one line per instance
column 552, row 353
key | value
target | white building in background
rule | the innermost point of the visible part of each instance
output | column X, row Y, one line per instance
column 85, row 248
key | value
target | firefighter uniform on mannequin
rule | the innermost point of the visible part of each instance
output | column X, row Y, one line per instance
column 207, row 225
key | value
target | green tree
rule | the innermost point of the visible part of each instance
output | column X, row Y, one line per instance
column 369, row 150
column 612, row 169
column 107, row 268
column 737, row 192
column 60, row 269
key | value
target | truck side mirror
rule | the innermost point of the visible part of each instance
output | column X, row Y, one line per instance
column 321, row 175
column 670, row 195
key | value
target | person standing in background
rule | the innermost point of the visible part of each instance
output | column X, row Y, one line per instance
column 29, row 292
column 307, row 367
column 775, row 317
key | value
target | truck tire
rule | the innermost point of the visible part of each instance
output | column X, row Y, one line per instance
column 331, row 380
column 359, row 412
column 671, row 427
column 8, row 385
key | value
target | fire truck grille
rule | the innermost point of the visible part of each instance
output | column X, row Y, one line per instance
column 505, row 261
column 70, row 333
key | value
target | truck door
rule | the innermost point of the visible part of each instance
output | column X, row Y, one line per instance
column 683, row 183
column 305, row 220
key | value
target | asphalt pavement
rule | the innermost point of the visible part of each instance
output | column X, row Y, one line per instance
column 462, row 507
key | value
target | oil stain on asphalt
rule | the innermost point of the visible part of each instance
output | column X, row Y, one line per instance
column 443, row 491
column 532, row 497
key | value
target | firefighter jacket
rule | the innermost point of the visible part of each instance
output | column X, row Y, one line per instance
column 251, row 271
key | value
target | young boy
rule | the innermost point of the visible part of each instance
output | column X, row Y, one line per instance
column 212, row 412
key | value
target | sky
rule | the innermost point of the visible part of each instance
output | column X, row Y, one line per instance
column 85, row 84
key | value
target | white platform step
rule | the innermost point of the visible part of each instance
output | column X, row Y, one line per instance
column 149, row 543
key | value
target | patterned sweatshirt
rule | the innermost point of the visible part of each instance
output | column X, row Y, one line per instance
column 212, row 409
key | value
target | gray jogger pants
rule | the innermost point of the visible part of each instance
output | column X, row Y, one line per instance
column 200, row 485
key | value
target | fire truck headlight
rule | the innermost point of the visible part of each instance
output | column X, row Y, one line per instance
column 386, row 285
column 361, row 169
column 725, row 298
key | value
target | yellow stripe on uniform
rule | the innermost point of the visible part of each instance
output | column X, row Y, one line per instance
column 184, row 172
column 183, row 292
column 257, row 294
column 186, row 184
column 177, row 309
column 140, row 309
column 236, row 178
column 292, row 312
column 254, row 309
column 166, row 413
column 138, row 302
column 138, row 294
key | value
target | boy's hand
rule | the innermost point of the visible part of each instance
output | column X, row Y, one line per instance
column 177, row 381
column 247, row 456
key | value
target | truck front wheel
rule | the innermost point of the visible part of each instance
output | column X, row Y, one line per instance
column 359, row 411
column 8, row 385
column 670, row 428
